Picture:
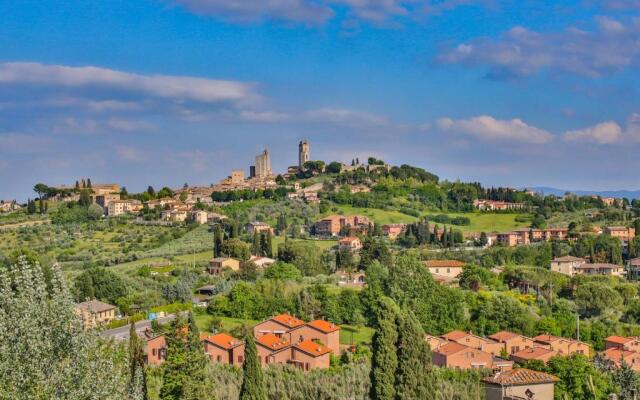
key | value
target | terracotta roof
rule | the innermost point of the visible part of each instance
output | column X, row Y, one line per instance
column 455, row 335
column 221, row 340
column 451, row 348
column 548, row 338
column 616, row 355
column 324, row 326
column 94, row 306
column 312, row 348
column 598, row 265
column 348, row 239
column 533, row 353
column 287, row 320
column 272, row 342
column 618, row 339
column 444, row 263
column 503, row 335
column 568, row 259
column 634, row 261
column 520, row 376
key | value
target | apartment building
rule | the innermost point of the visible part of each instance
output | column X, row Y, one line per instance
column 217, row 264
column 444, row 268
column 351, row 243
column 392, row 231
column 332, row 225
column 224, row 348
column 94, row 313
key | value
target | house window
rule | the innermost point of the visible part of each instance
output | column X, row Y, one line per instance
column 154, row 352
column 219, row 358
column 240, row 359
column 306, row 366
column 448, row 270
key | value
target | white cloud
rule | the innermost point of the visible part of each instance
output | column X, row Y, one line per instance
column 603, row 133
column 488, row 128
column 610, row 47
column 178, row 88
column 316, row 12
column 128, row 153
column 346, row 117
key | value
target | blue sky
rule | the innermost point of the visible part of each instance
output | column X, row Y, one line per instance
column 164, row 92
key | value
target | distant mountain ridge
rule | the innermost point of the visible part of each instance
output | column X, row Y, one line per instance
column 630, row 194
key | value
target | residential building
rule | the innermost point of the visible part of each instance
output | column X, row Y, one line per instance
column 282, row 326
column 217, row 264
column 224, row 348
column 526, row 236
column 350, row 278
column 563, row 346
column 444, row 268
column 520, row 383
column 103, row 200
column 600, row 269
column 200, row 217
column 491, row 205
column 175, row 215
column 303, row 153
column 262, row 262
column 617, row 355
column 273, row 349
column 622, row 343
column 435, row 342
column 94, row 313
column 567, row 265
column 512, row 342
column 308, row 355
column 332, row 225
column 259, row 227
column 621, row 232
column 352, row 243
column 321, row 331
column 8, row 205
column 155, row 347
column 120, row 207
column 392, row 231
column 456, row 355
column 533, row 353
column 468, row 339
column 263, row 165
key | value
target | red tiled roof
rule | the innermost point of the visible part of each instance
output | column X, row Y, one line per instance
column 520, row 376
column 312, row 348
column 221, row 340
column 503, row 335
column 451, row 348
column 444, row 264
column 455, row 335
column 288, row 320
column 324, row 326
column 547, row 338
column 272, row 342
column 617, row 355
column 348, row 239
column 568, row 259
column 618, row 339
column 534, row 353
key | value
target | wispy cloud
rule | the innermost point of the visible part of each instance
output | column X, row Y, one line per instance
column 317, row 12
column 486, row 127
column 129, row 154
column 178, row 88
column 610, row 47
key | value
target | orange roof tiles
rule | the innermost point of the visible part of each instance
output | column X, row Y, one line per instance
column 534, row 353
column 272, row 342
column 324, row 326
column 348, row 239
column 618, row 339
column 312, row 348
column 444, row 264
column 221, row 340
column 520, row 376
column 548, row 338
column 503, row 336
column 288, row 321
column 451, row 348
column 455, row 335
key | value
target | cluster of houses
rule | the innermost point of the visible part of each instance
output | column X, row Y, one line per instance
column 219, row 264
column 526, row 236
column 572, row 266
column 7, row 206
column 492, row 205
column 619, row 348
column 465, row 350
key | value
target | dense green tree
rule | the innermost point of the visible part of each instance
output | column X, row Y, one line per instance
column 255, row 244
column 99, row 283
column 137, row 376
column 282, row 271
column 236, row 248
column 414, row 360
column 596, row 298
column 627, row 380
column 384, row 360
column 45, row 352
column 252, row 381
column 374, row 249
column 579, row 378
column 306, row 256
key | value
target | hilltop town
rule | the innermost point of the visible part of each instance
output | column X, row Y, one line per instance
column 312, row 269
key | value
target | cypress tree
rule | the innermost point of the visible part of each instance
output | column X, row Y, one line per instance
column 414, row 360
column 252, row 382
column 136, row 361
column 384, row 360
column 255, row 246
column 269, row 245
column 218, row 239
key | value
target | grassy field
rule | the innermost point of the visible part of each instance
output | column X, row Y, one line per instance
column 322, row 244
column 480, row 222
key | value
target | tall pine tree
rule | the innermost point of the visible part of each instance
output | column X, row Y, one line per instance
column 252, row 381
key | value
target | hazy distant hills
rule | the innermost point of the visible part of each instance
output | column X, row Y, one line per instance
column 630, row 194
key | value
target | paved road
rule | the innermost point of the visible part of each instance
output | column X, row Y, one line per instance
column 122, row 333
